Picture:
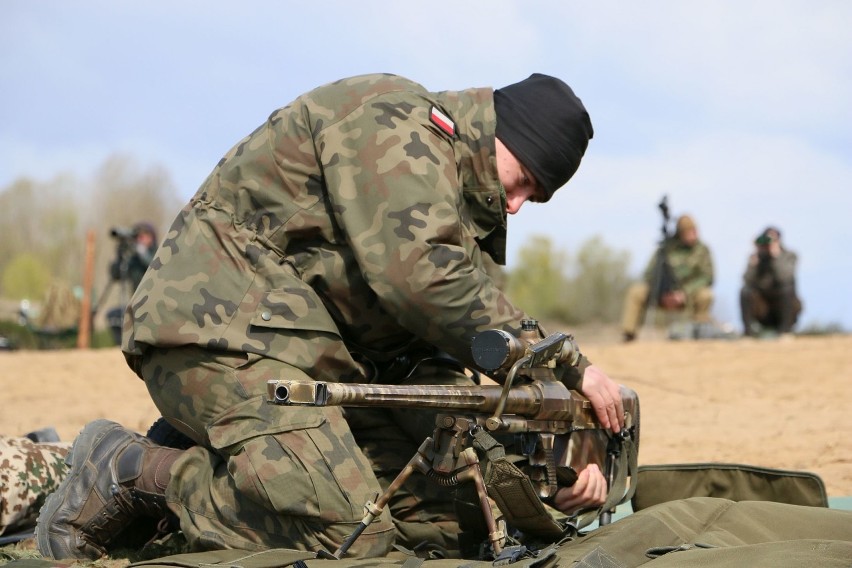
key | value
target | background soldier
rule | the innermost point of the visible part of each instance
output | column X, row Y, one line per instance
column 135, row 249
column 135, row 252
column 343, row 240
column 689, row 266
column 768, row 298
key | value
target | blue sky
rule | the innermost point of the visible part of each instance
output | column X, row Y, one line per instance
column 739, row 111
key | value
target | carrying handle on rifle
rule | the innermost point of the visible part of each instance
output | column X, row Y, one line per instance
column 494, row 421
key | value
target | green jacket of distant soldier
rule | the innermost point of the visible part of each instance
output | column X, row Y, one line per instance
column 691, row 263
column 690, row 266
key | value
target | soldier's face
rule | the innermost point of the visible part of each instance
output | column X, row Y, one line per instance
column 144, row 238
column 519, row 183
column 689, row 237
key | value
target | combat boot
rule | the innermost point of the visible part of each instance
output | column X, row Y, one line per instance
column 116, row 476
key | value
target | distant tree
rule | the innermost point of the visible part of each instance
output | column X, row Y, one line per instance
column 598, row 283
column 17, row 222
column 538, row 283
column 26, row 276
column 123, row 195
column 41, row 218
column 554, row 285
column 62, row 244
column 43, row 224
column 822, row 328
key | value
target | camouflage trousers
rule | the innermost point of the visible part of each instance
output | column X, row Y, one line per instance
column 697, row 308
column 29, row 471
column 263, row 475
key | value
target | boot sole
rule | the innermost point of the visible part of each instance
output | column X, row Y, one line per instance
column 55, row 544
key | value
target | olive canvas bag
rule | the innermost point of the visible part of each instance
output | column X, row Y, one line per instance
column 736, row 482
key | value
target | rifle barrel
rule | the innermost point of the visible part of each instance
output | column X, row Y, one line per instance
column 534, row 400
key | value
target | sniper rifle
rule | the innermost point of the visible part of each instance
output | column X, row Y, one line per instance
column 556, row 430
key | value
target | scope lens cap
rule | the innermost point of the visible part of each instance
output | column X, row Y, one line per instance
column 490, row 349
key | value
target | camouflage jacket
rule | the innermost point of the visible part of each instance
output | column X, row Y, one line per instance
column 692, row 267
column 355, row 219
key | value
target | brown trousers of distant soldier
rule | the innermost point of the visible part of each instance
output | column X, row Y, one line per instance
column 697, row 307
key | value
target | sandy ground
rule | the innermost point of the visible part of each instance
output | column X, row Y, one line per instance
column 782, row 404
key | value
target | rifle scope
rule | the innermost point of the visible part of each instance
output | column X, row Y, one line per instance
column 496, row 349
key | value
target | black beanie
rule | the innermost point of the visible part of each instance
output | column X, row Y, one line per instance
column 543, row 123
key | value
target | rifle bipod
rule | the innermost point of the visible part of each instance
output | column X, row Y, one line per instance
column 465, row 468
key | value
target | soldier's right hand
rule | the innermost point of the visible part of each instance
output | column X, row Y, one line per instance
column 605, row 396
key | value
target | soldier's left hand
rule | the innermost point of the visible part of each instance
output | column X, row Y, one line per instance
column 588, row 491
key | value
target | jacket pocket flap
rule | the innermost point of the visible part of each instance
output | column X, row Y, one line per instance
column 293, row 308
column 256, row 417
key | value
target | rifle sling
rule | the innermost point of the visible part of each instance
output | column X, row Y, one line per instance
column 516, row 497
column 512, row 490
column 626, row 466
column 518, row 500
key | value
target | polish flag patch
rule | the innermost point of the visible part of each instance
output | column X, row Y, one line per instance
column 443, row 121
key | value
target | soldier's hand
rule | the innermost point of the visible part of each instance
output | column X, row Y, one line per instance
column 605, row 396
column 588, row 491
column 673, row 300
column 774, row 249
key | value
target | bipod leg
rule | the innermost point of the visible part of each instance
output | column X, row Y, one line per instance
column 473, row 473
column 372, row 510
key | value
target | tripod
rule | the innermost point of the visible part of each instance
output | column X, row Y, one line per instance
column 120, row 277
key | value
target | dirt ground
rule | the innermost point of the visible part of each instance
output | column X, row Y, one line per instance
column 782, row 403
